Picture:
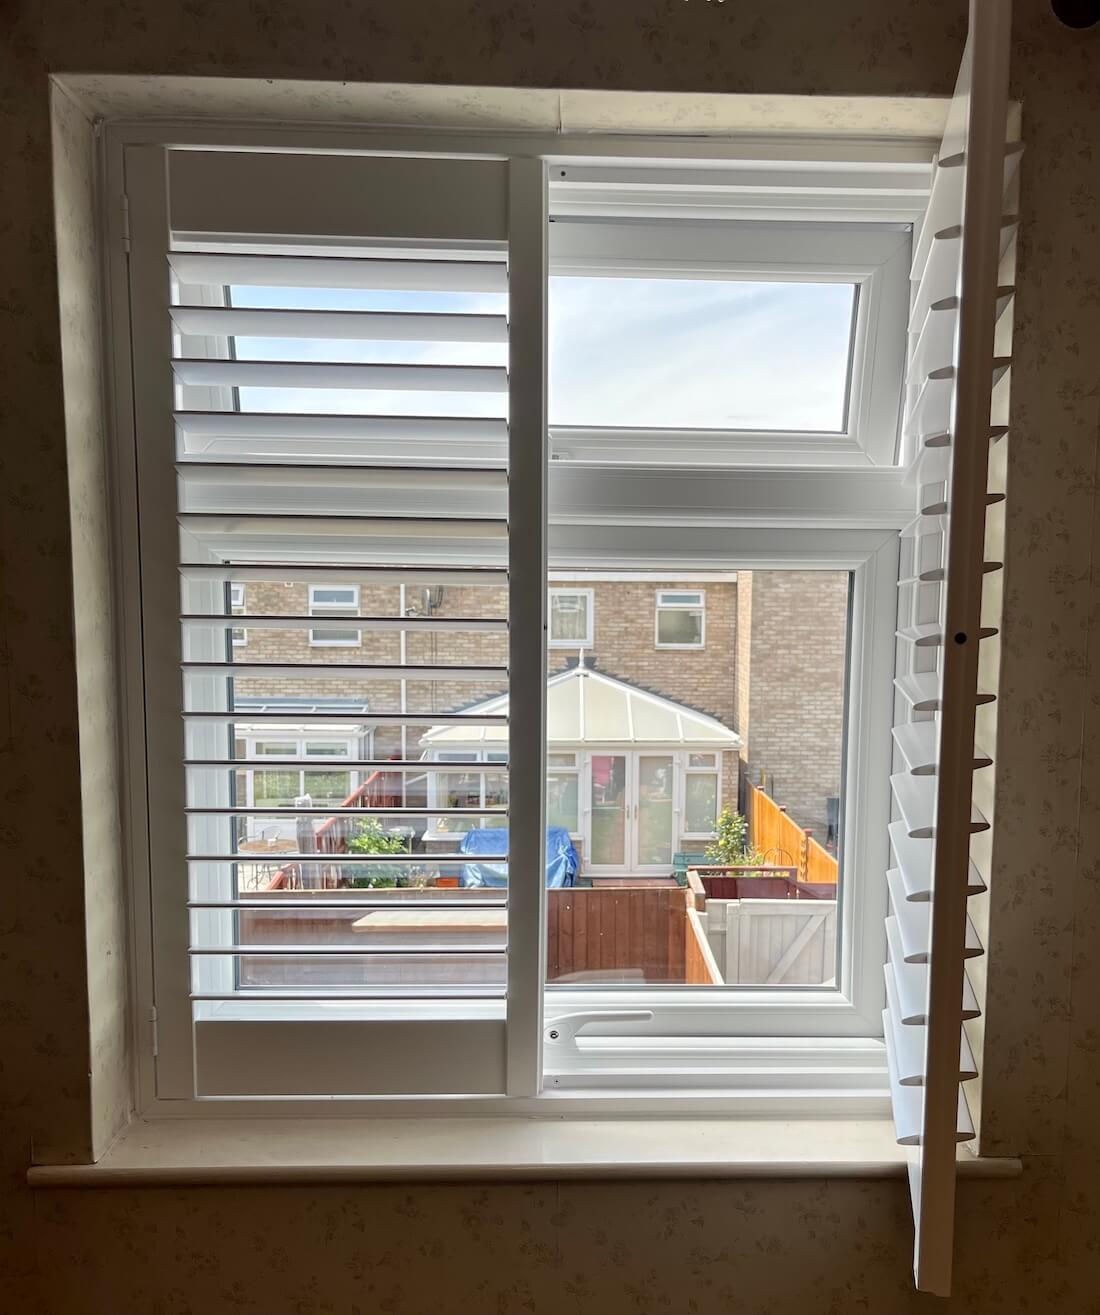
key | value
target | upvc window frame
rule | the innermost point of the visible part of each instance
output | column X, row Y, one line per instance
column 660, row 606
column 589, row 637
column 871, row 550
column 323, row 639
column 687, row 771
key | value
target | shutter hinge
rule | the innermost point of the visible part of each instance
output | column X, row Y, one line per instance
column 125, row 208
column 153, row 1031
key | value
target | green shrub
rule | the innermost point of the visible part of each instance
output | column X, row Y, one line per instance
column 369, row 838
column 731, row 847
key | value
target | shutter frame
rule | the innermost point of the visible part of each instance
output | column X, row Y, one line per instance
column 957, row 302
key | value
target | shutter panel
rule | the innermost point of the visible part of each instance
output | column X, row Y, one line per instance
column 958, row 374
column 324, row 443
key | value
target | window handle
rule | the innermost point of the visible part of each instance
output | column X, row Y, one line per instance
column 563, row 1031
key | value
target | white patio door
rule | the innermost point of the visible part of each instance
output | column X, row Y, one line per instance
column 631, row 813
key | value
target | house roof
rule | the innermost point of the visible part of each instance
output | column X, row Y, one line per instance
column 585, row 706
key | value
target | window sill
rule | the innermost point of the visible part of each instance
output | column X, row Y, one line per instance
column 200, row 1151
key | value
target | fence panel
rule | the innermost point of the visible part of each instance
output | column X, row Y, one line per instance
column 782, row 841
column 774, row 942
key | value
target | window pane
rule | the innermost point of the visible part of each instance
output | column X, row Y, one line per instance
column 568, row 617
column 658, row 740
column 562, row 800
column 655, row 839
column 323, row 596
column 328, row 787
column 700, row 803
column 699, row 353
column 675, row 627
column 275, row 749
column 275, row 788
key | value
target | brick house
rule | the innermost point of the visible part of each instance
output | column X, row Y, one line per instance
column 762, row 653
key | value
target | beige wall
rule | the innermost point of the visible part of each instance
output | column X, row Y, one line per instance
column 792, row 684
column 783, row 1247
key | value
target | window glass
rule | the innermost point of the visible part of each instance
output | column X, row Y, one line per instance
column 327, row 787
column 700, row 803
column 680, row 628
column 570, row 618
column 682, row 353
column 562, row 800
column 275, row 789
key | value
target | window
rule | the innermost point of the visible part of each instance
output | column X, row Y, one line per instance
column 563, row 792
column 680, row 619
column 701, row 353
column 238, row 635
column 702, row 789
column 572, row 618
column 326, row 600
column 668, row 352
column 471, row 788
column 361, row 417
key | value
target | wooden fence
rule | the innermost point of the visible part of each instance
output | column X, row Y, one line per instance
column 628, row 934
column 783, row 842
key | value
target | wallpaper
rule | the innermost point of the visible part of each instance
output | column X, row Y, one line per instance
column 770, row 1249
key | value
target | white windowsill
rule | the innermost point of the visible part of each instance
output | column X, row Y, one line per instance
column 194, row 1152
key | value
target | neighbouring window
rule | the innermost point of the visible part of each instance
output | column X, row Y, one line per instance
column 563, row 792
column 572, row 618
column 680, row 619
column 701, row 791
column 238, row 635
column 327, row 600
column 471, row 787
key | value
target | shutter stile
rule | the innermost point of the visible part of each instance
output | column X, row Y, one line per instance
column 959, row 370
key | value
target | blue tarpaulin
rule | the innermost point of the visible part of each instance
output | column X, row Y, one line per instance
column 561, row 858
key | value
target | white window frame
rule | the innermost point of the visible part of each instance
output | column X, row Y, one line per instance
column 589, row 637
column 481, row 761
column 874, row 258
column 299, row 740
column 838, row 517
column 323, row 639
column 663, row 605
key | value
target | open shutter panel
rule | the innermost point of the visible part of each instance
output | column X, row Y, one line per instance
column 955, row 408
column 337, row 402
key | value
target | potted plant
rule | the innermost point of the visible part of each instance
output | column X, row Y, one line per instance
column 731, row 848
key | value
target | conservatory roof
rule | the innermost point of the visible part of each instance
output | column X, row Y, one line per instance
column 585, row 706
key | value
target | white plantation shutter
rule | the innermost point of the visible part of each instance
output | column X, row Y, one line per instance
column 955, row 411
column 327, row 356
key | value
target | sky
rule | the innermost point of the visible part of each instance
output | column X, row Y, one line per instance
column 657, row 352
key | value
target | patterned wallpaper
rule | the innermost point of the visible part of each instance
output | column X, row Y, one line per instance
column 774, row 1248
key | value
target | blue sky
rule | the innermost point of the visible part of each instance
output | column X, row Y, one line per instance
column 659, row 352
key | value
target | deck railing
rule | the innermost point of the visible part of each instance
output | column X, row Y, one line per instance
column 331, row 837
